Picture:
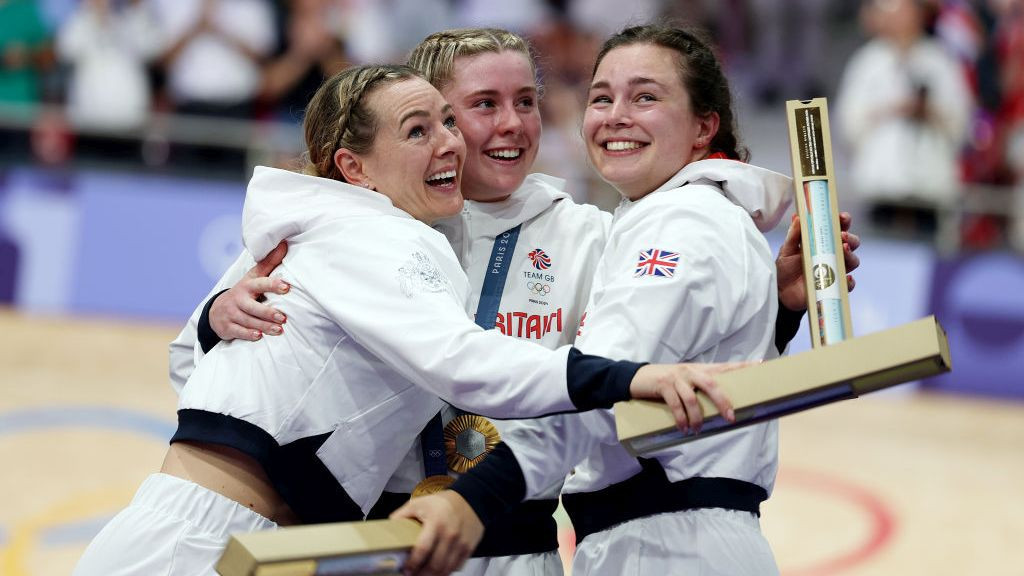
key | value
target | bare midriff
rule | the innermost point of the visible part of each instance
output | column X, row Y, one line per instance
column 230, row 473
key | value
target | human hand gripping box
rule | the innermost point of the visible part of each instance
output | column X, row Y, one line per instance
column 839, row 366
column 378, row 547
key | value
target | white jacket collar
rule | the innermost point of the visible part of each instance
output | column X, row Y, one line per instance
column 764, row 194
column 280, row 204
column 537, row 193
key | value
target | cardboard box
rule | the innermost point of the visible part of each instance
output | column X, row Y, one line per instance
column 814, row 183
column 794, row 383
column 345, row 548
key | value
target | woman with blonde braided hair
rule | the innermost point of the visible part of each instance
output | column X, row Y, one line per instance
column 308, row 427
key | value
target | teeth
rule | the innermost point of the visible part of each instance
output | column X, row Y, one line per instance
column 621, row 145
column 510, row 153
column 442, row 175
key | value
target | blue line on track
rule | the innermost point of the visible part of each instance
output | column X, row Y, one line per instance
column 35, row 419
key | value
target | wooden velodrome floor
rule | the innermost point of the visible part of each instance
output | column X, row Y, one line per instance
column 890, row 484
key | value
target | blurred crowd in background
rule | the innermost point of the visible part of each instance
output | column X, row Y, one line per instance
column 927, row 96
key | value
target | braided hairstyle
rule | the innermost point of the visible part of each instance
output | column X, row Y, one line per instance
column 338, row 115
column 700, row 73
column 435, row 55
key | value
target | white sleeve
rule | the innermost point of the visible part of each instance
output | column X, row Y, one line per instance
column 547, row 449
column 681, row 317
column 857, row 106
column 394, row 300
column 76, row 34
column 144, row 31
column 951, row 98
column 185, row 352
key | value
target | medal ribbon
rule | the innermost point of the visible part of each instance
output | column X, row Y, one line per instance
column 432, row 437
column 494, row 278
column 432, row 444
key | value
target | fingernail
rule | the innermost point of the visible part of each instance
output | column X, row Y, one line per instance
column 284, row 287
column 278, row 317
column 256, row 334
column 275, row 329
column 730, row 415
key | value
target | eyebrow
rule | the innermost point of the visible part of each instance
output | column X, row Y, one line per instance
column 492, row 93
column 420, row 113
column 414, row 113
column 636, row 81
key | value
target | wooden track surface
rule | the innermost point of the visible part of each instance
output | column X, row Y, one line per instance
column 907, row 484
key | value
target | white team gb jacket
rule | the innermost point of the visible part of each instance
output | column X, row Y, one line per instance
column 686, row 276
column 547, row 284
column 379, row 332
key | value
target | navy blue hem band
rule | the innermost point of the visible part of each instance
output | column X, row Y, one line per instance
column 528, row 528
column 297, row 473
column 650, row 492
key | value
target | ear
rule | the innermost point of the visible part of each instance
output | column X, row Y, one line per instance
column 707, row 128
column 352, row 168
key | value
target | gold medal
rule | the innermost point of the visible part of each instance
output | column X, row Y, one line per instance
column 467, row 439
column 432, row 485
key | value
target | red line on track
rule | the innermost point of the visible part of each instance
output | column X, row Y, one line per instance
column 882, row 520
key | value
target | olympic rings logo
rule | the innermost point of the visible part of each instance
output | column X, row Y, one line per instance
column 538, row 288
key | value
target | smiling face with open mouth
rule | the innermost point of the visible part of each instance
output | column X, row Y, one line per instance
column 639, row 126
column 417, row 155
column 495, row 98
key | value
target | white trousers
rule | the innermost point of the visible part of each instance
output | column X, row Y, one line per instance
column 545, row 564
column 702, row 542
column 172, row 527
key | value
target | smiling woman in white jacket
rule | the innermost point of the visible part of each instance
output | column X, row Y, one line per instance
column 308, row 427
column 686, row 275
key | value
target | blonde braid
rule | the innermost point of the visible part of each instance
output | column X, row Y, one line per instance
column 338, row 115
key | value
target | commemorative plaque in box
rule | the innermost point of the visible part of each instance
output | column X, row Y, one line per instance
column 814, row 183
column 798, row 382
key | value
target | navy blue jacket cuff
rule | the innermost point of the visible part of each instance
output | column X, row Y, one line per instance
column 597, row 382
column 207, row 337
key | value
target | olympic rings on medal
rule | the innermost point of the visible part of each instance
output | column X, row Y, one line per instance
column 538, row 288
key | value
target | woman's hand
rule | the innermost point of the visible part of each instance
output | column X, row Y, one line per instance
column 451, row 531
column 676, row 385
column 240, row 314
column 789, row 265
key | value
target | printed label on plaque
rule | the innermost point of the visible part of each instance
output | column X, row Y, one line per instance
column 810, row 142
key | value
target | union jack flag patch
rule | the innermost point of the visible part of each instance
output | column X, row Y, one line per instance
column 654, row 262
